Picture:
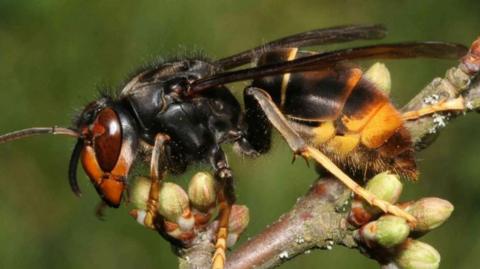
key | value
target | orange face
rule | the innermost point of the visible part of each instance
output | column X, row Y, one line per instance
column 106, row 155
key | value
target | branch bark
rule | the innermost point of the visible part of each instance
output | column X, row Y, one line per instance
column 318, row 219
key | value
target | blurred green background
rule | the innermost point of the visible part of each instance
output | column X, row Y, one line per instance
column 54, row 56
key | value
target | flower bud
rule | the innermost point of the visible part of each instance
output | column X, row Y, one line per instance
column 379, row 75
column 387, row 231
column 139, row 192
column 430, row 213
column 238, row 222
column 239, row 218
column 417, row 255
column 384, row 186
column 173, row 204
column 201, row 191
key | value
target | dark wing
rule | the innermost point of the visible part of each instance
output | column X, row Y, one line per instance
column 329, row 59
column 316, row 37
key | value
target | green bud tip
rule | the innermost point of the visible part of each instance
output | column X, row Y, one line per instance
column 387, row 231
column 201, row 191
column 430, row 212
column 139, row 191
column 385, row 186
column 417, row 255
column 379, row 75
column 173, row 204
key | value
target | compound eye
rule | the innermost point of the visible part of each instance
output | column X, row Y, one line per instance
column 107, row 138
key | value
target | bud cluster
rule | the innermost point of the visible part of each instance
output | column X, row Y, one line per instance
column 184, row 215
column 392, row 236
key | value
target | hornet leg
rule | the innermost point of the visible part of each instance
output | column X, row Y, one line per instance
column 157, row 173
column 456, row 104
column 300, row 147
column 226, row 198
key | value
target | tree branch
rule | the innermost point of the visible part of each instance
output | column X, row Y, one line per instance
column 460, row 80
column 318, row 219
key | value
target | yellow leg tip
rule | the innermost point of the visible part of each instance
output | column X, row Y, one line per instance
column 218, row 260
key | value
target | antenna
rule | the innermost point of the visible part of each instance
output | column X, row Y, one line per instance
column 15, row 135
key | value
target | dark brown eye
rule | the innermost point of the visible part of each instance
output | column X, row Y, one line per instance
column 107, row 138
